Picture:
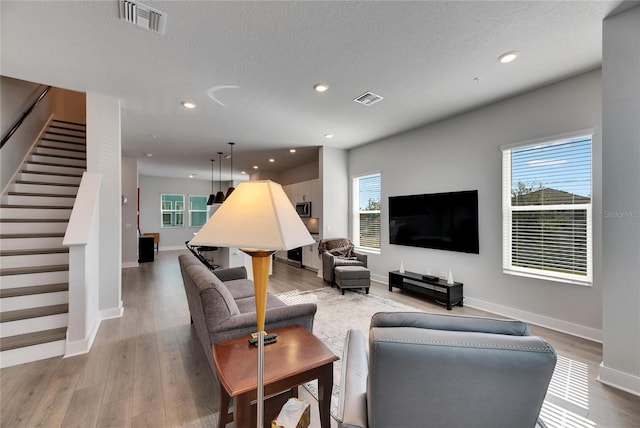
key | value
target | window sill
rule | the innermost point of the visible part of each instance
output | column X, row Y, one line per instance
column 584, row 283
column 367, row 250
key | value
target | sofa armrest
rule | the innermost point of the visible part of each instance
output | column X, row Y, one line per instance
column 361, row 257
column 328, row 264
column 352, row 403
column 246, row 323
column 229, row 274
column 450, row 322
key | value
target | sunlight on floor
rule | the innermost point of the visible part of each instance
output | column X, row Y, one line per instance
column 558, row 417
column 569, row 383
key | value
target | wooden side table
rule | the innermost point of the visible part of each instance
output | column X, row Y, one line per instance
column 297, row 357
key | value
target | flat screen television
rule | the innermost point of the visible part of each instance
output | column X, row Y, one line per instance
column 445, row 221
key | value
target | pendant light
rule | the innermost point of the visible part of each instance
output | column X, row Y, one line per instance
column 231, row 188
column 219, row 196
column 211, row 196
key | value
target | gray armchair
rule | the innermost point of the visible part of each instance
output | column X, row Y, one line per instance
column 428, row 370
column 338, row 252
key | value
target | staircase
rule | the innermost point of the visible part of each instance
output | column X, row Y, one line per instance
column 34, row 265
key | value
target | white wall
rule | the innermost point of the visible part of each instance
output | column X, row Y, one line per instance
column 103, row 156
column 15, row 97
column 462, row 153
column 621, row 191
column 334, row 188
column 150, row 220
column 306, row 172
column 130, row 212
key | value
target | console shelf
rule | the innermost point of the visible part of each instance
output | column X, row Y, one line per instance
column 431, row 286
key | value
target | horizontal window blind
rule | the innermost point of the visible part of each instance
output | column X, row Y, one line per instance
column 367, row 220
column 547, row 210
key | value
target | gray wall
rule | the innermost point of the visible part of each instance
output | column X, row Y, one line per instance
column 306, row 172
column 621, row 186
column 150, row 220
column 130, row 212
column 334, row 188
column 462, row 153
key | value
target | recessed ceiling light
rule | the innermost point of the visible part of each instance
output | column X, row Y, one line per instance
column 328, row 135
column 320, row 87
column 188, row 105
column 148, row 154
column 507, row 57
column 192, row 175
column 255, row 167
column 292, row 150
column 243, row 172
column 272, row 160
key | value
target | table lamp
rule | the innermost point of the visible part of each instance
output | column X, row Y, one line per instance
column 259, row 219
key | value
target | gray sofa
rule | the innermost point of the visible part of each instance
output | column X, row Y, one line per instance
column 428, row 370
column 222, row 304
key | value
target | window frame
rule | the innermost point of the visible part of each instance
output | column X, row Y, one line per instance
column 508, row 209
column 174, row 210
column 197, row 211
column 356, row 212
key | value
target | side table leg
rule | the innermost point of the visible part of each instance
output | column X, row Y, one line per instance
column 242, row 411
column 224, row 408
column 325, row 384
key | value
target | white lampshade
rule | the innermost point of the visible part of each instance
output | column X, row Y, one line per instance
column 257, row 215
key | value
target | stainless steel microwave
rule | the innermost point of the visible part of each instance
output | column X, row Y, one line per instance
column 303, row 209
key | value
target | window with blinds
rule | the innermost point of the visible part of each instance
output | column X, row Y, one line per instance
column 547, row 219
column 366, row 219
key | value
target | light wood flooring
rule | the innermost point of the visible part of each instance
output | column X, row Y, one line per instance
column 148, row 369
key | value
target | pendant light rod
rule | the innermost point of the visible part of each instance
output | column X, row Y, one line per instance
column 219, row 196
column 231, row 187
column 211, row 195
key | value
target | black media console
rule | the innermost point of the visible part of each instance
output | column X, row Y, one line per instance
column 431, row 286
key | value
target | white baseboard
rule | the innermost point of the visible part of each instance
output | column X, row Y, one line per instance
column 179, row 247
column 130, row 265
column 106, row 314
column 83, row 346
column 541, row 320
column 621, row 380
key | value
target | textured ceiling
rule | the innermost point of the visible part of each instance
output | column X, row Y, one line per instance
column 422, row 57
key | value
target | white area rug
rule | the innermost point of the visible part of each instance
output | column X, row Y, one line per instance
column 335, row 316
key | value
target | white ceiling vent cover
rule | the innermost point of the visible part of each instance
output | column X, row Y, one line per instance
column 143, row 16
column 368, row 98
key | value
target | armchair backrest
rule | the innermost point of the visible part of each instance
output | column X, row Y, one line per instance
column 449, row 371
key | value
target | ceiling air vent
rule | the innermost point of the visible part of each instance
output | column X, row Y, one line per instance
column 143, row 16
column 368, row 98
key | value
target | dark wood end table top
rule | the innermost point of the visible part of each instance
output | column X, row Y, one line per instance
column 296, row 352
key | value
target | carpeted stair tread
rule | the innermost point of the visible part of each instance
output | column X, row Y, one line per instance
column 29, row 339
column 56, row 174
column 44, row 146
column 41, row 311
column 36, row 289
column 55, row 164
column 31, row 235
column 34, row 220
column 79, row 143
column 68, row 122
column 40, row 207
column 46, row 183
column 50, row 195
column 34, row 251
column 33, row 269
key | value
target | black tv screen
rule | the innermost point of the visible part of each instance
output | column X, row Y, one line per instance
column 445, row 221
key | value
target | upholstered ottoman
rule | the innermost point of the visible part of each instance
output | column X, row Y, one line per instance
column 352, row 277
